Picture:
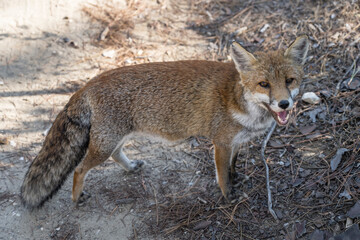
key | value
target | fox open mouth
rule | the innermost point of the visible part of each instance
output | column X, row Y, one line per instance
column 280, row 117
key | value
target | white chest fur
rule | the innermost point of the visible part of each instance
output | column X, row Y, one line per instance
column 255, row 121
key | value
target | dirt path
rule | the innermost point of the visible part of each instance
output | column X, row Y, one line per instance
column 46, row 54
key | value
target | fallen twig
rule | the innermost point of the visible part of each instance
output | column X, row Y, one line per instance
column 263, row 146
column 355, row 71
column 157, row 206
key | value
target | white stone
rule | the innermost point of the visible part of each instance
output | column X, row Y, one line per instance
column 12, row 143
column 263, row 29
column 128, row 61
column 109, row 53
column 310, row 97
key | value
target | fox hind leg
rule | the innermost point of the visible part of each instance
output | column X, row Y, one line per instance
column 129, row 165
column 92, row 159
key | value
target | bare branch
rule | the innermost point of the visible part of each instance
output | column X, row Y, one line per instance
column 263, row 146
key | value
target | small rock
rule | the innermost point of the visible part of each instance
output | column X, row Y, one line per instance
column 297, row 182
column 305, row 173
column 263, row 29
column 109, row 53
column 12, row 143
column 307, row 129
column 74, row 44
column 313, row 114
column 315, row 45
column 351, row 83
column 319, row 195
column 310, row 97
column 279, row 214
column 317, row 235
column 240, row 31
column 354, row 212
column 300, row 228
column 103, row 34
column 325, row 93
column 128, row 61
column 340, row 218
column 349, row 223
column 201, row 225
column 345, row 194
column 282, row 187
column 337, row 158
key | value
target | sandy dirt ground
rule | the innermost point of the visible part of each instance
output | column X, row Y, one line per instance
column 46, row 53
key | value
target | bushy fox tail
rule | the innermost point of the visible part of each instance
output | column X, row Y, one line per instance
column 63, row 149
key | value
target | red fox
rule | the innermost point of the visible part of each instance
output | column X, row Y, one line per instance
column 230, row 103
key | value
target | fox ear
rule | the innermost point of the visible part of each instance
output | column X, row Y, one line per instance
column 242, row 58
column 298, row 50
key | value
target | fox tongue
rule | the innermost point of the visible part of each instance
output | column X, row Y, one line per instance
column 282, row 116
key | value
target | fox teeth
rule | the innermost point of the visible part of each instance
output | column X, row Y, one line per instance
column 283, row 121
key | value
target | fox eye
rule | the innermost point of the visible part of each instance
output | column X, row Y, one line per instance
column 289, row 80
column 264, row 84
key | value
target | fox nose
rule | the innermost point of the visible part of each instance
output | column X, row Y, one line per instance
column 284, row 104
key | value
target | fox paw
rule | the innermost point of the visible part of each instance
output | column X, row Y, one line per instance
column 231, row 197
column 136, row 165
column 84, row 196
column 234, row 177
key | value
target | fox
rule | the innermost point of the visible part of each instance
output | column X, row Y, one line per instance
column 229, row 103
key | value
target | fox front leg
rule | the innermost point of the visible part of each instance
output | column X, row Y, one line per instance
column 222, row 163
column 233, row 158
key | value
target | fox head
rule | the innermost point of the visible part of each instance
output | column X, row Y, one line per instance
column 272, row 80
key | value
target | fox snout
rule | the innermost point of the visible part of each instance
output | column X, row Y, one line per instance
column 280, row 110
column 284, row 104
